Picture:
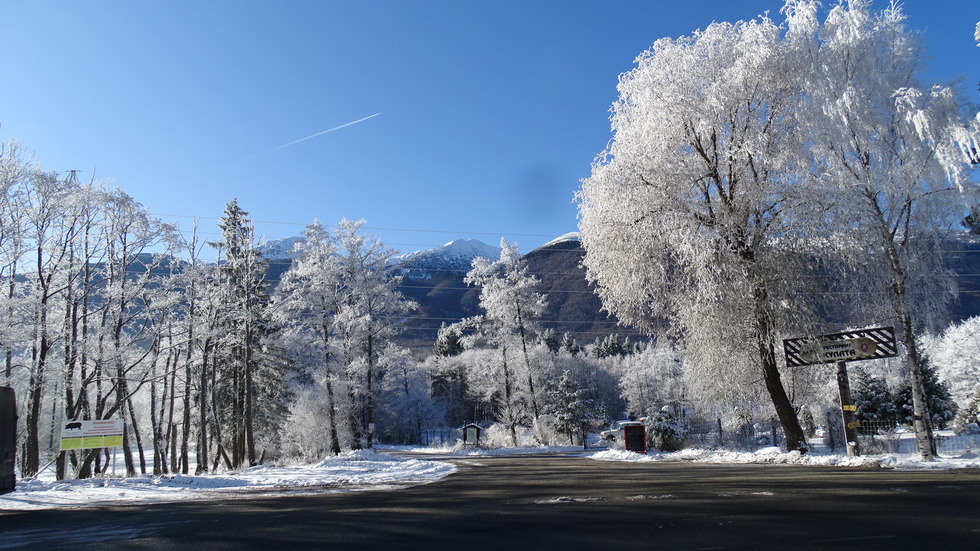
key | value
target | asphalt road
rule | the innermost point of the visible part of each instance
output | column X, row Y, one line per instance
column 555, row 502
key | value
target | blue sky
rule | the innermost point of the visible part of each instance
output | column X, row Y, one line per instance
column 480, row 118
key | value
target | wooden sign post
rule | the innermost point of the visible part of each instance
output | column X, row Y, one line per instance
column 840, row 348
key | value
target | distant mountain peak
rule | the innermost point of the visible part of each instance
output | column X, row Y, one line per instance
column 455, row 256
column 280, row 249
column 570, row 237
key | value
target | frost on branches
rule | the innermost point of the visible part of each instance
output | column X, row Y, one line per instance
column 512, row 308
column 740, row 155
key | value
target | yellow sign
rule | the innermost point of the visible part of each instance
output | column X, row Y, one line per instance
column 850, row 407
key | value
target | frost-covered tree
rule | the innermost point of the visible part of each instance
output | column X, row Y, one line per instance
column 448, row 376
column 338, row 308
column 243, row 318
column 512, row 307
column 956, row 357
column 873, row 398
column 15, row 175
column 490, row 374
column 570, row 408
column 942, row 409
column 666, row 433
column 305, row 304
column 48, row 223
column 894, row 153
column 369, row 312
column 968, row 419
column 652, row 378
column 570, row 345
column 406, row 405
column 691, row 213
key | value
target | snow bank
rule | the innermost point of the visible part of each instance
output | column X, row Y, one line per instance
column 777, row 456
column 364, row 469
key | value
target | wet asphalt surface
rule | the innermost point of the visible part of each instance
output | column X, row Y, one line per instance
column 554, row 502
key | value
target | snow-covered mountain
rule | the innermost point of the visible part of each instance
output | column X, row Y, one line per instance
column 434, row 279
column 570, row 237
column 455, row 256
column 280, row 249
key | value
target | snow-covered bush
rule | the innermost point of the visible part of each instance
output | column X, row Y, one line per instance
column 545, row 431
column 498, row 435
column 968, row 420
column 664, row 431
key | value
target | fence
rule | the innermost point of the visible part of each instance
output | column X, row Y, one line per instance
column 874, row 437
column 891, row 436
column 747, row 435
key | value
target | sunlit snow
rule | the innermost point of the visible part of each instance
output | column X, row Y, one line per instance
column 356, row 470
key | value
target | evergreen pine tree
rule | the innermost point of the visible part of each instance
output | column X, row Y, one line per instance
column 550, row 339
column 449, row 343
column 940, row 405
column 243, row 315
column 570, row 345
column 570, row 409
column 968, row 419
column 875, row 402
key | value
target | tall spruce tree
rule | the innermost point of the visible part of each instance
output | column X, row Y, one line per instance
column 243, row 298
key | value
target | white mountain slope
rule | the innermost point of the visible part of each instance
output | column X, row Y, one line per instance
column 455, row 256
column 567, row 238
column 280, row 249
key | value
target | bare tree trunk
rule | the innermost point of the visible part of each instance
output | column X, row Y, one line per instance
column 136, row 434
column 900, row 302
column 203, row 401
column 249, row 420
column 331, row 407
column 155, row 419
column 527, row 363
column 795, row 437
column 508, row 399
column 370, row 390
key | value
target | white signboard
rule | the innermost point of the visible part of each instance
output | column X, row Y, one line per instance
column 864, row 344
column 82, row 435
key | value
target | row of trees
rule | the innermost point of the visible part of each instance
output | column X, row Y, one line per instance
column 754, row 165
column 111, row 313
column 204, row 360
column 114, row 314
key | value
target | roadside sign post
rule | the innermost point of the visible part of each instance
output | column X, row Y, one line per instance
column 848, row 410
column 840, row 348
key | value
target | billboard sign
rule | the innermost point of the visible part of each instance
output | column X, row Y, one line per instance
column 82, row 435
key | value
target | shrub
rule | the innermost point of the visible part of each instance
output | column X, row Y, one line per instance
column 665, row 432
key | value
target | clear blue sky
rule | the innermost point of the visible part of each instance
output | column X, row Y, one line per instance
column 490, row 111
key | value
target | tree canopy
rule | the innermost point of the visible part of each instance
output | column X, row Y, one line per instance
column 749, row 158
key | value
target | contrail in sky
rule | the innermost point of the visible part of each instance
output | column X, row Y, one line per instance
column 327, row 131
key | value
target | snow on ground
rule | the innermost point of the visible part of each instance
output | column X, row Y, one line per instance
column 770, row 455
column 369, row 469
column 357, row 470
column 777, row 456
